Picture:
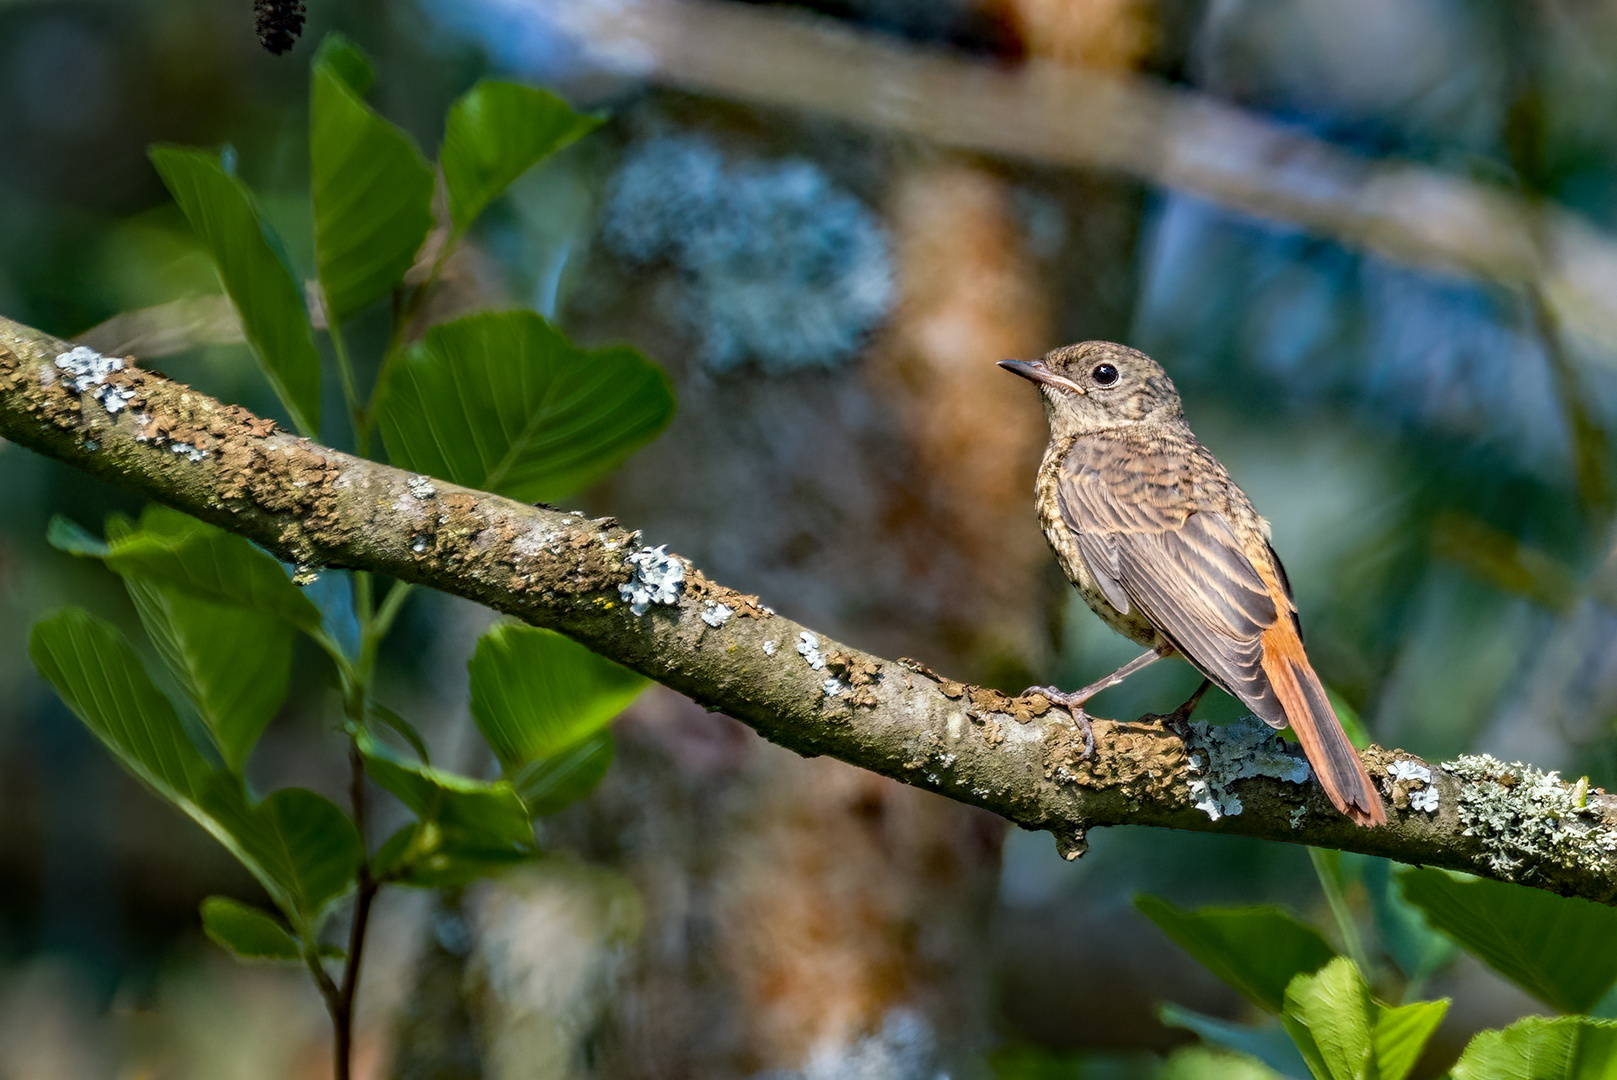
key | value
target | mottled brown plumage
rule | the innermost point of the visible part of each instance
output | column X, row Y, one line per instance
column 1163, row 546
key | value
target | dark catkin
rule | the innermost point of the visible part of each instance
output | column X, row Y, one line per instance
column 280, row 23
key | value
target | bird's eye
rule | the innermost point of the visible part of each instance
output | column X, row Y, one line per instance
column 1104, row 374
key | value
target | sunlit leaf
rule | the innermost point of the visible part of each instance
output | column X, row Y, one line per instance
column 1565, row 1048
column 1330, row 1016
column 246, row 931
column 1345, row 1034
column 1205, row 1063
column 1257, row 950
column 266, row 295
column 372, row 193
column 495, row 133
column 504, row 402
column 1560, row 949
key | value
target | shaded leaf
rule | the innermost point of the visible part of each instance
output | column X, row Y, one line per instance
column 1267, row 1042
column 298, row 843
column 102, row 681
column 543, row 702
column 1205, row 1063
column 504, row 402
column 425, row 856
column 1560, row 949
column 176, row 549
column 484, row 814
column 233, row 663
column 549, row 784
column 497, row 131
column 246, row 931
column 268, row 298
column 1257, row 950
column 372, row 193
column 345, row 60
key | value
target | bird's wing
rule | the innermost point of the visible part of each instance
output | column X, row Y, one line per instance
column 1150, row 543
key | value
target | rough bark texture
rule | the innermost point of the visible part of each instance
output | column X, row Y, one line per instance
column 1017, row 757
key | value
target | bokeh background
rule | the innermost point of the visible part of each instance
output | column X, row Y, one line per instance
column 1371, row 242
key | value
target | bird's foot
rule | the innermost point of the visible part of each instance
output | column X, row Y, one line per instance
column 1074, row 704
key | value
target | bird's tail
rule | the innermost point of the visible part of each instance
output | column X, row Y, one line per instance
column 1309, row 712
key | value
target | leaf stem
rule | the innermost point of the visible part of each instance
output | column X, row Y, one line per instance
column 1327, row 867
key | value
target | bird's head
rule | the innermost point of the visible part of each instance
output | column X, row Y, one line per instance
column 1096, row 385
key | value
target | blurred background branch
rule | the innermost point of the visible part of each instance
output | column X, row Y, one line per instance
column 1054, row 113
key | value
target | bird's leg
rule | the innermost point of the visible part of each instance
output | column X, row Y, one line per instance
column 1178, row 720
column 1074, row 702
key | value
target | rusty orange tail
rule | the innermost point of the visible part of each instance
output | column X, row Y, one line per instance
column 1309, row 712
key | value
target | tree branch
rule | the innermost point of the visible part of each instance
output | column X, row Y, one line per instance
column 596, row 582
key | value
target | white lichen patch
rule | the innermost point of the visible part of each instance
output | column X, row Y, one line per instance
column 187, row 451
column 834, row 686
column 1526, row 816
column 1425, row 799
column 658, row 577
column 421, row 487
column 1221, row 754
column 86, row 371
column 717, row 614
column 86, row 368
column 769, row 647
column 1408, row 769
column 808, row 646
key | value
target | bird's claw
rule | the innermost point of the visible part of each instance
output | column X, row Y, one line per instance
column 1074, row 706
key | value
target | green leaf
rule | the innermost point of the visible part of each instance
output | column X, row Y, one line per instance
column 372, row 194
column 1257, row 950
column 1566, row 1048
column 346, row 61
column 98, row 675
column 246, row 931
column 233, row 663
column 496, row 132
column 1329, row 1015
column 543, row 702
column 424, row 856
column 300, row 845
column 486, row 813
column 211, row 564
column 1560, row 949
column 266, row 296
column 1344, row 1034
column 1205, row 1063
column 504, row 402
column 550, row 784
column 1402, row 1033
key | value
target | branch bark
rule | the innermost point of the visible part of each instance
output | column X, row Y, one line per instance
column 1017, row 757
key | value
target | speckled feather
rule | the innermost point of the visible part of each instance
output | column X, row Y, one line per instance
column 1164, row 547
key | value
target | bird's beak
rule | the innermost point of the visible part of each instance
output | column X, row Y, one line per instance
column 1035, row 371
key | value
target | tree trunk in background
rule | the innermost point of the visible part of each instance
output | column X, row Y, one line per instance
column 801, row 917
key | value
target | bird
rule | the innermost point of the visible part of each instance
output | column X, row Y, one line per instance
column 1169, row 552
